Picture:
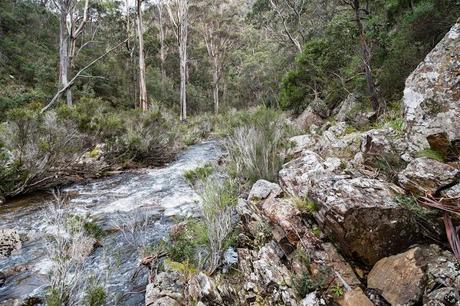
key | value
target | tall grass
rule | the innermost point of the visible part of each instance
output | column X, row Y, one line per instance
column 255, row 148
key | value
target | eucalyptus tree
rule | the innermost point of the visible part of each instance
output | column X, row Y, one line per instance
column 218, row 26
column 178, row 11
column 73, row 16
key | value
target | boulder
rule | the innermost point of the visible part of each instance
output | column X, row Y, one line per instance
column 432, row 94
column 308, row 118
column 403, row 279
column 336, row 141
column 202, row 288
column 9, row 242
column 271, row 272
column 297, row 177
column 424, row 175
column 355, row 297
column 282, row 213
column 346, row 107
column 166, row 289
column 443, row 296
column 381, row 144
column 262, row 189
column 300, row 143
column 362, row 216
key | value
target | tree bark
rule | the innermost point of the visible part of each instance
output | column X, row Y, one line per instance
column 64, row 55
column 140, row 32
column 183, row 37
column 215, row 87
column 162, row 42
column 371, row 88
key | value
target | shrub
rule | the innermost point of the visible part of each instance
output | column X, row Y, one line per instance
column 255, row 149
column 305, row 205
column 200, row 173
column 219, row 200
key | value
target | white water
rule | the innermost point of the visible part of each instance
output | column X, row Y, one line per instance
column 155, row 195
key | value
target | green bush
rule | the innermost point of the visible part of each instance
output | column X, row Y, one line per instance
column 255, row 149
column 198, row 174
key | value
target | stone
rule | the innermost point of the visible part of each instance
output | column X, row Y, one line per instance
column 442, row 296
column 300, row 143
column 268, row 266
column 426, row 176
column 307, row 118
column 380, row 144
column 166, row 288
column 164, row 301
column 230, row 258
column 346, row 107
column 9, row 242
column 363, row 218
column 403, row 279
column 262, row 189
column 452, row 192
column 355, row 297
column 284, row 214
column 202, row 288
column 297, row 177
column 432, row 94
column 337, row 142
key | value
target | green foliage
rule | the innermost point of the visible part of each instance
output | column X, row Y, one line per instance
column 55, row 298
column 430, row 153
column 77, row 222
column 305, row 205
column 198, row 174
column 337, row 290
column 95, row 296
column 255, row 147
column 303, row 284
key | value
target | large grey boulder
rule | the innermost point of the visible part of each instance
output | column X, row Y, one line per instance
column 426, row 176
column 432, row 94
column 165, row 290
column 363, row 217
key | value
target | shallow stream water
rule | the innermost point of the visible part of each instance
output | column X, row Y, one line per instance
column 153, row 198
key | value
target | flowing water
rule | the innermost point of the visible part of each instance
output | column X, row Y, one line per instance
column 152, row 198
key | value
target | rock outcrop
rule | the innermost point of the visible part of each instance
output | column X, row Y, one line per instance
column 405, row 278
column 262, row 189
column 427, row 176
column 432, row 94
column 361, row 214
column 9, row 242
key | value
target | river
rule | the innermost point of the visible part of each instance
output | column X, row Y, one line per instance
column 153, row 198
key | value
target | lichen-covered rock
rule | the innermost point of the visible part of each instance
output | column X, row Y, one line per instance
column 452, row 192
column 308, row 118
column 432, row 94
column 202, row 288
column 166, row 289
column 346, row 108
column 403, row 279
column 262, row 189
column 300, row 143
column 362, row 216
column 284, row 214
column 424, row 175
column 298, row 176
column 381, row 145
column 336, row 142
column 9, row 242
column 443, row 296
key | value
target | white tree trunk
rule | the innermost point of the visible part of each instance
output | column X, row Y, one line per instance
column 140, row 32
column 162, row 42
column 183, row 37
column 215, row 85
column 64, row 57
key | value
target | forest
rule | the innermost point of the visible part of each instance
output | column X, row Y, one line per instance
column 95, row 90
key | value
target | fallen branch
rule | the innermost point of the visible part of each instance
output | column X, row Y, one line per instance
column 72, row 81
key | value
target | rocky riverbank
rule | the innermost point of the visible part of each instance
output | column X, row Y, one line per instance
column 347, row 222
